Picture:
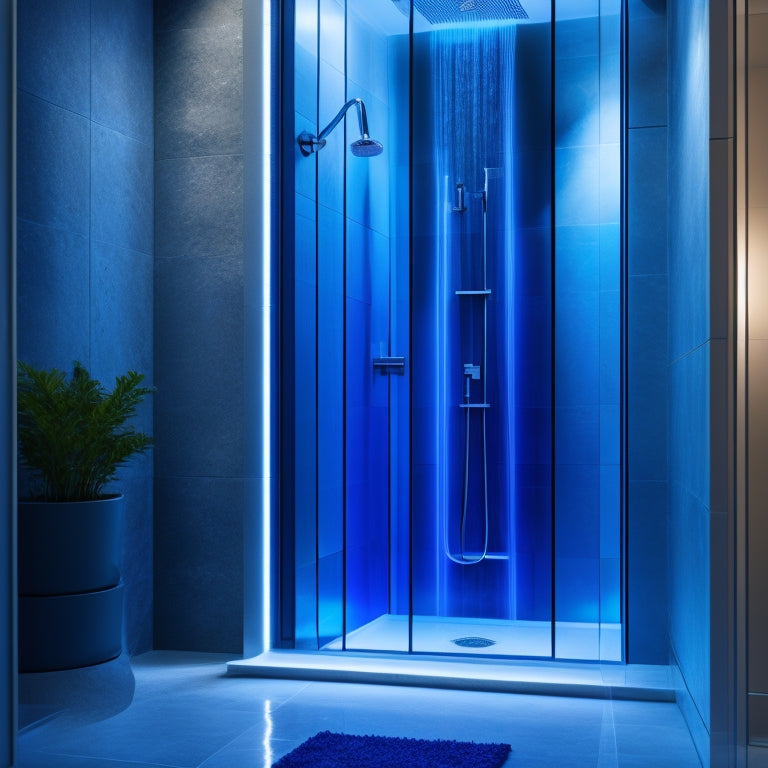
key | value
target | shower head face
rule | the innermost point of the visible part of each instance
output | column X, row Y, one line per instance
column 457, row 11
column 366, row 147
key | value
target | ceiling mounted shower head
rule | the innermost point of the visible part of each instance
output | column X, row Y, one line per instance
column 365, row 146
column 453, row 11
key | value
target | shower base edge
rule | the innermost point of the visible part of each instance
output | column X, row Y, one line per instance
column 602, row 681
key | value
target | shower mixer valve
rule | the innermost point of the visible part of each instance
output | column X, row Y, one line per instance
column 470, row 372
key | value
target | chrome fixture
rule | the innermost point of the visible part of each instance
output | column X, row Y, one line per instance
column 475, row 372
column 389, row 364
column 457, row 11
column 458, row 205
column 365, row 146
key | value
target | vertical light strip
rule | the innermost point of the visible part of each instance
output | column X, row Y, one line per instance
column 268, row 728
column 266, row 345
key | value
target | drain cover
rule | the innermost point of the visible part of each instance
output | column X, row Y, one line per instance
column 473, row 642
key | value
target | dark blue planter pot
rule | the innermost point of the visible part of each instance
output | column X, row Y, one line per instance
column 70, row 596
column 70, row 631
column 70, row 546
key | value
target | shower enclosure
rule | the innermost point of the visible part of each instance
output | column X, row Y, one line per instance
column 451, row 328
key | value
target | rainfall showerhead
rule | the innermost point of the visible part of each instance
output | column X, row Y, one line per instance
column 365, row 146
column 453, row 11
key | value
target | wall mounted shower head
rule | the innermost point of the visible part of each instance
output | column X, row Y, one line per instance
column 365, row 146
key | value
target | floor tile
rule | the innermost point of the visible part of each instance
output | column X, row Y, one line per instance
column 186, row 713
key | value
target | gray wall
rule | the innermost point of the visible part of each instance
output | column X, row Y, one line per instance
column 199, row 325
column 7, row 410
column 647, row 345
column 85, row 222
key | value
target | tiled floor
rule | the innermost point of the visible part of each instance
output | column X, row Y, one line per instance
column 186, row 713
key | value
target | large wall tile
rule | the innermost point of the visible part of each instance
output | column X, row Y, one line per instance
column 688, row 183
column 647, row 211
column 647, row 70
column 332, row 28
column 306, row 24
column 577, row 252
column 577, row 361
column 54, row 44
column 577, row 37
column 577, row 179
column 577, row 435
column 610, row 92
column 54, row 163
column 689, row 616
column 136, row 484
column 332, row 160
column 610, row 183
column 198, row 206
column 173, row 15
column 610, row 347
column 121, row 311
column 121, row 190
column 366, row 57
column 122, row 63
column 198, row 366
column 689, row 424
column 577, row 99
column 577, row 584
column 647, row 572
column 198, row 526
column 199, row 92
column 647, row 364
column 577, row 508
column 305, row 86
column 53, row 297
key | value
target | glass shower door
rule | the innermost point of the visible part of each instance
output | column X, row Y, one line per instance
column 453, row 336
column 374, row 323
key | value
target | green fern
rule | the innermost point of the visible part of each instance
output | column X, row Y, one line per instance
column 73, row 434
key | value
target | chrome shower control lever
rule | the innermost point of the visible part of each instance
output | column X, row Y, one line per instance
column 470, row 372
column 459, row 206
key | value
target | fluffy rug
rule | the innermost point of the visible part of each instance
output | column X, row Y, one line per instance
column 338, row 750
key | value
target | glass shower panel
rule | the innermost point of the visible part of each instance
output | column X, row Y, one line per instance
column 376, row 340
column 451, row 376
column 299, row 610
column 587, row 333
column 481, row 355
column 330, row 329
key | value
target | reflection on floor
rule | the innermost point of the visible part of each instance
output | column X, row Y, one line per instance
column 186, row 713
column 487, row 637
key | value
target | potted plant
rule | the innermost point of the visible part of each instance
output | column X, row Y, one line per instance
column 73, row 436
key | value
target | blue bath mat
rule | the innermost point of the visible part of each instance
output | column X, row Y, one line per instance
column 338, row 750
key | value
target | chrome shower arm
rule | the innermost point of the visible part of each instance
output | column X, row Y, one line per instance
column 361, row 117
column 308, row 143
